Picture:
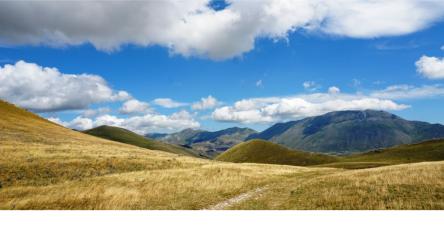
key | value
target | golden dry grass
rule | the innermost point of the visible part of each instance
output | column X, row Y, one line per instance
column 46, row 166
column 407, row 186
column 175, row 188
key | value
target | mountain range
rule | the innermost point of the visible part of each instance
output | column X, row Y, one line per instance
column 350, row 132
column 340, row 132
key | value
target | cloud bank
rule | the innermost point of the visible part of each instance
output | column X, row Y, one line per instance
column 275, row 109
column 397, row 92
column 134, row 106
column 193, row 28
column 143, row 124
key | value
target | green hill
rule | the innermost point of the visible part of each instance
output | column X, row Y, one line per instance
column 125, row 136
column 260, row 151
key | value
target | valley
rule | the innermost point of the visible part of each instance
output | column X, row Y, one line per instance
column 206, row 143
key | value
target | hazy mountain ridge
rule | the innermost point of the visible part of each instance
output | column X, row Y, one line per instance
column 206, row 142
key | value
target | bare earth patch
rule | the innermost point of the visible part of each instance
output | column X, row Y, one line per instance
column 237, row 199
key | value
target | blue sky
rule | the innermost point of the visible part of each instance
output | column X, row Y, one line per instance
column 277, row 67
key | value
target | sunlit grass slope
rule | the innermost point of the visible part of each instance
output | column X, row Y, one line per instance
column 129, row 137
column 426, row 151
column 406, row 186
column 34, row 151
column 432, row 150
column 261, row 151
column 46, row 166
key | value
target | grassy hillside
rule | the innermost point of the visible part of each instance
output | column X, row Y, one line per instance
column 46, row 166
column 407, row 186
column 426, row 151
column 129, row 137
column 260, row 151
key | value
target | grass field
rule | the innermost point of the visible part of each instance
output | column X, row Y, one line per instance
column 46, row 166
column 407, row 186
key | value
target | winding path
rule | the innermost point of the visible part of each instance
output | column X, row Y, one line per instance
column 237, row 199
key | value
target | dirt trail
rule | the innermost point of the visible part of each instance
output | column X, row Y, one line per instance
column 237, row 199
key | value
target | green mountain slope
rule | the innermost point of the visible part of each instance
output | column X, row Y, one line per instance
column 129, row 137
column 260, row 151
column 350, row 132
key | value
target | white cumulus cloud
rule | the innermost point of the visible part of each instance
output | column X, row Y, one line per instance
column 134, row 106
column 334, row 90
column 192, row 28
column 205, row 103
column 45, row 89
column 431, row 67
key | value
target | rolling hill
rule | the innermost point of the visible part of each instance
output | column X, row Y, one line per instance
column 129, row 137
column 207, row 143
column 346, row 132
column 260, row 151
